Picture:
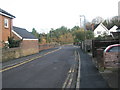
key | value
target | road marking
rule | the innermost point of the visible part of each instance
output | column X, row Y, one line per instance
column 78, row 77
column 29, row 60
column 67, row 79
column 65, row 83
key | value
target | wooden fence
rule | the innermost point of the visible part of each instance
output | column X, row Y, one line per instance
column 102, row 44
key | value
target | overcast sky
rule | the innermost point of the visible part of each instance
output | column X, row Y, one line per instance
column 46, row 14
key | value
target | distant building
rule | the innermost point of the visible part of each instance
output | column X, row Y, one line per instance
column 113, row 29
column 117, row 33
column 100, row 30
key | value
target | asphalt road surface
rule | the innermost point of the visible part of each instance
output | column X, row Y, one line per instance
column 49, row 71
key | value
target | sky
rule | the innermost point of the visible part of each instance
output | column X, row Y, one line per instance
column 46, row 14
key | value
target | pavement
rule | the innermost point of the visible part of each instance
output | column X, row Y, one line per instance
column 111, row 76
column 90, row 76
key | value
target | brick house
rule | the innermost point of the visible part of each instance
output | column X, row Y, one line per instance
column 5, row 26
column 29, row 43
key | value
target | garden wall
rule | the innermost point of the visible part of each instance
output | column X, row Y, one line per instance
column 12, row 53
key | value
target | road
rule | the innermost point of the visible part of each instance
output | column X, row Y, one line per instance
column 49, row 71
column 55, row 68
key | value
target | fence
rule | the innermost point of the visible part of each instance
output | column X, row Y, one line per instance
column 102, row 44
column 86, row 45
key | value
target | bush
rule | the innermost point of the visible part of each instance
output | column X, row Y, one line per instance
column 13, row 43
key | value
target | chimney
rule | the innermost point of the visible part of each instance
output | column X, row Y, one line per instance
column 92, row 25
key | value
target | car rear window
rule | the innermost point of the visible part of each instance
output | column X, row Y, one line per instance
column 114, row 49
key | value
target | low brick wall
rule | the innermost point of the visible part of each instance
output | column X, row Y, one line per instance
column 112, row 59
column 108, row 59
column 46, row 46
column 27, row 48
column 11, row 53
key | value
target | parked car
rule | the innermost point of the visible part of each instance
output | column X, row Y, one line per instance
column 113, row 48
column 112, row 56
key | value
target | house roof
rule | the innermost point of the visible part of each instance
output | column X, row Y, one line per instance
column 118, row 28
column 5, row 13
column 101, row 26
column 113, row 29
column 104, row 27
column 95, row 26
column 21, row 32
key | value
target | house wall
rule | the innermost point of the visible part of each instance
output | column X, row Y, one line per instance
column 6, row 32
column 0, row 31
column 101, row 30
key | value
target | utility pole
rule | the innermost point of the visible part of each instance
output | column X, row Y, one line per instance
column 84, row 24
column 84, row 21
column 84, row 30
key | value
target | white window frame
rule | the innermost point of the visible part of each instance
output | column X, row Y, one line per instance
column 6, row 23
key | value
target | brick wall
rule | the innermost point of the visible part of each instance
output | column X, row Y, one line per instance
column 5, row 32
column 0, row 31
column 29, row 47
column 112, row 59
column 108, row 59
column 46, row 46
column 11, row 53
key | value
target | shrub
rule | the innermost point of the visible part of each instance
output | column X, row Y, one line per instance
column 13, row 43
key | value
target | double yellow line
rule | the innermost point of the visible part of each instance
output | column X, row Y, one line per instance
column 29, row 60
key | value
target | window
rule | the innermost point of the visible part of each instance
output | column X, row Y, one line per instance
column 115, row 49
column 6, row 23
column 98, row 32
